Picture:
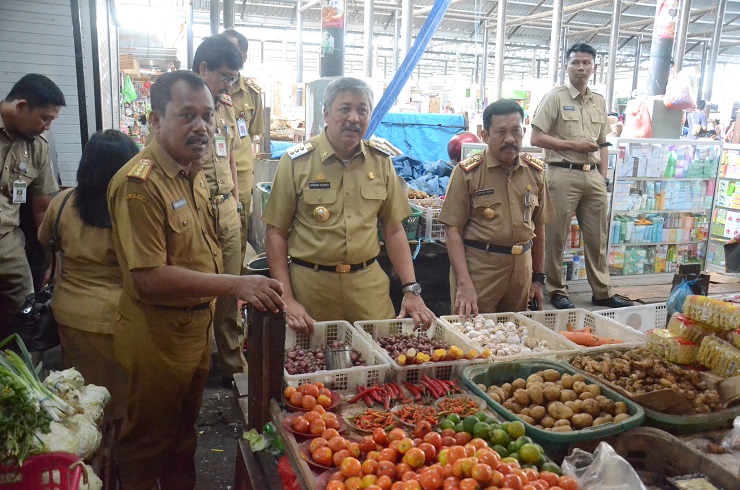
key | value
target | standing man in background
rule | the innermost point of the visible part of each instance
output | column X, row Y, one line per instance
column 26, row 172
column 218, row 61
column 246, row 98
column 570, row 124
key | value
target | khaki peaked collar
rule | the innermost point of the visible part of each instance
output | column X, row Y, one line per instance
column 170, row 167
column 492, row 162
column 326, row 150
column 573, row 92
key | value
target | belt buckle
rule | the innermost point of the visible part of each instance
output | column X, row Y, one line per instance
column 586, row 168
column 517, row 250
column 343, row 268
column 218, row 199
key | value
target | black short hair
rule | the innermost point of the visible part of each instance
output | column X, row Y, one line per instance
column 581, row 48
column 241, row 40
column 38, row 91
column 502, row 107
column 104, row 154
column 218, row 51
column 161, row 90
column 701, row 104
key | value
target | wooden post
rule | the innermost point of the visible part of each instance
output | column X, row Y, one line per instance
column 265, row 359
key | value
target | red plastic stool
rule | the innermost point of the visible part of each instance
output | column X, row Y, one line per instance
column 47, row 471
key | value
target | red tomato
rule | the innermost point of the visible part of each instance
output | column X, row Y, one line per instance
column 550, row 478
column 568, row 483
column 469, row 484
column 430, row 480
column 513, row 481
column 380, row 437
column 434, row 439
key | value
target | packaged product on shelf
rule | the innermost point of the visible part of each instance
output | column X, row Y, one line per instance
column 717, row 313
column 721, row 357
column 691, row 329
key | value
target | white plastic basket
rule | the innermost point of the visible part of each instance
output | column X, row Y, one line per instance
column 431, row 228
column 641, row 318
column 558, row 343
column 558, row 320
column 324, row 333
column 373, row 329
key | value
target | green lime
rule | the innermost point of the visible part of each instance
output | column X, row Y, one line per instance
column 454, row 418
column 490, row 444
column 501, row 450
column 552, row 467
column 513, row 447
column 510, row 459
column 542, row 459
column 542, row 451
column 529, row 453
column 491, row 421
column 481, row 429
column 515, row 429
column 469, row 422
column 516, row 456
column 481, row 416
column 527, row 439
column 459, row 427
column 505, row 427
column 527, row 465
column 499, row 437
column 447, row 424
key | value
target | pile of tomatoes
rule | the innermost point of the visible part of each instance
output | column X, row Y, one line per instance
column 316, row 422
column 394, row 461
column 308, row 395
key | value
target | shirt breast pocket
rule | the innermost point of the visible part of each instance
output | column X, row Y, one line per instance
column 572, row 122
column 373, row 196
column 487, row 208
column 319, row 205
column 597, row 119
column 181, row 241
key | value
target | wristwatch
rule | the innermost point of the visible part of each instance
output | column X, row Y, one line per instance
column 412, row 287
column 240, row 207
column 539, row 277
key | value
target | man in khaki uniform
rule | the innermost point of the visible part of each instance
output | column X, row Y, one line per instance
column 495, row 212
column 218, row 61
column 166, row 244
column 26, row 173
column 328, row 196
column 570, row 124
column 246, row 98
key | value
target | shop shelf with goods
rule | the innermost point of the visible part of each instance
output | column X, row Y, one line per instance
column 661, row 205
column 726, row 212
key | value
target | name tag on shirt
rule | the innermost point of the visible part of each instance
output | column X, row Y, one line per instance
column 220, row 146
column 241, row 124
column 569, row 108
column 20, row 189
column 484, row 192
column 319, row 185
column 179, row 203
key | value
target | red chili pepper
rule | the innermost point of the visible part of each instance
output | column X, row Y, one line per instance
column 430, row 388
column 413, row 389
column 437, row 390
column 439, row 385
column 362, row 393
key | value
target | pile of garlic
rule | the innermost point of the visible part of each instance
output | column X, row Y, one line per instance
column 503, row 338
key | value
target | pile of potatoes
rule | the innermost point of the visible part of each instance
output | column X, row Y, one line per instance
column 558, row 403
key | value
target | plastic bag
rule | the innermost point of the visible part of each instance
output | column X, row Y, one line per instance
column 679, row 93
column 602, row 470
column 639, row 125
column 674, row 304
column 731, row 441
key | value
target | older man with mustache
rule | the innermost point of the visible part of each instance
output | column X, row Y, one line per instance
column 327, row 199
column 495, row 212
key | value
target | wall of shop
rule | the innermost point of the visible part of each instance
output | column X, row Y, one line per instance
column 75, row 43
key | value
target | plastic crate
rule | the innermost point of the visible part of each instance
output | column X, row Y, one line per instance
column 48, row 471
column 373, row 329
column 642, row 317
column 558, row 320
column 338, row 379
column 431, row 228
column 555, row 443
column 558, row 343
column 657, row 455
column 410, row 224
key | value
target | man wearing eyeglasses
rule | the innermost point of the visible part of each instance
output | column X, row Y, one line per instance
column 218, row 61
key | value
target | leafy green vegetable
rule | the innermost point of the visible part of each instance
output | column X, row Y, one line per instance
column 257, row 442
column 20, row 420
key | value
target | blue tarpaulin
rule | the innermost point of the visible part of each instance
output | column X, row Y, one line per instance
column 430, row 177
column 277, row 148
column 421, row 136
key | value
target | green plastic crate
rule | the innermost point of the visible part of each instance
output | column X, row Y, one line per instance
column 410, row 224
column 555, row 444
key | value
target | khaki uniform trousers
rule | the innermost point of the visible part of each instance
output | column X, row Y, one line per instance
column 91, row 353
column 15, row 277
column 227, row 325
column 246, row 186
column 165, row 353
column 356, row 296
column 585, row 194
column 501, row 281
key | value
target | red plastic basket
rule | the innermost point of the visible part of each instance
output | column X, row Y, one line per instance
column 47, row 471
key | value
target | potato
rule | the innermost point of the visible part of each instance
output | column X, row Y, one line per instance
column 562, row 428
column 537, row 413
column 494, row 397
column 607, row 405
column 549, row 383
column 562, row 423
column 575, row 406
column 621, row 417
column 599, row 398
column 608, row 417
column 579, row 387
column 507, row 389
column 568, row 395
column 518, row 383
column 567, row 381
column 585, row 395
column 579, row 377
column 521, row 396
column 591, row 407
column 525, row 411
column 551, row 393
column 481, row 386
column 527, row 419
column 582, row 420
column 501, row 394
column 515, row 407
column 600, row 421
column 536, row 395
column 509, row 405
column 594, row 389
column 620, row 408
column 559, row 411
column 550, row 375
column 547, row 422
column 534, row 378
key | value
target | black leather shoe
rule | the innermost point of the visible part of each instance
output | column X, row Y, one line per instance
column 561, row 302
column 615, row 301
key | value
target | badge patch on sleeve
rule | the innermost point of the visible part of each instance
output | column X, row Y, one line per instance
column 140, row 197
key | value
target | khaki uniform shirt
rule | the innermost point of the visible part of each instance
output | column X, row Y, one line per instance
column 87, row 294
column 24, row 160
column 566, row 114
column 217, row 169
column 162, row 216
column 247, row 104
column 312, row 183
column 488, row 204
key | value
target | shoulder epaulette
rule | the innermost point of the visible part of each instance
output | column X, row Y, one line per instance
column 226, row 100
column 471, row 162
column 141, row 170
column 251, row 84
column 298, row 150
column 383, row 147
column 533, row 161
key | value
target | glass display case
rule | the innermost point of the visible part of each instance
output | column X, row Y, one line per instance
column 726, row 212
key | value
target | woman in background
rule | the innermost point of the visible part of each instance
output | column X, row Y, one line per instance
column 87, row 291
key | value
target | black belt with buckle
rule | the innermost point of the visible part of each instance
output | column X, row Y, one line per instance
column 202, row 306
column 339, row 268
column 574, row 166
column 219, row 198
column 517, row 249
